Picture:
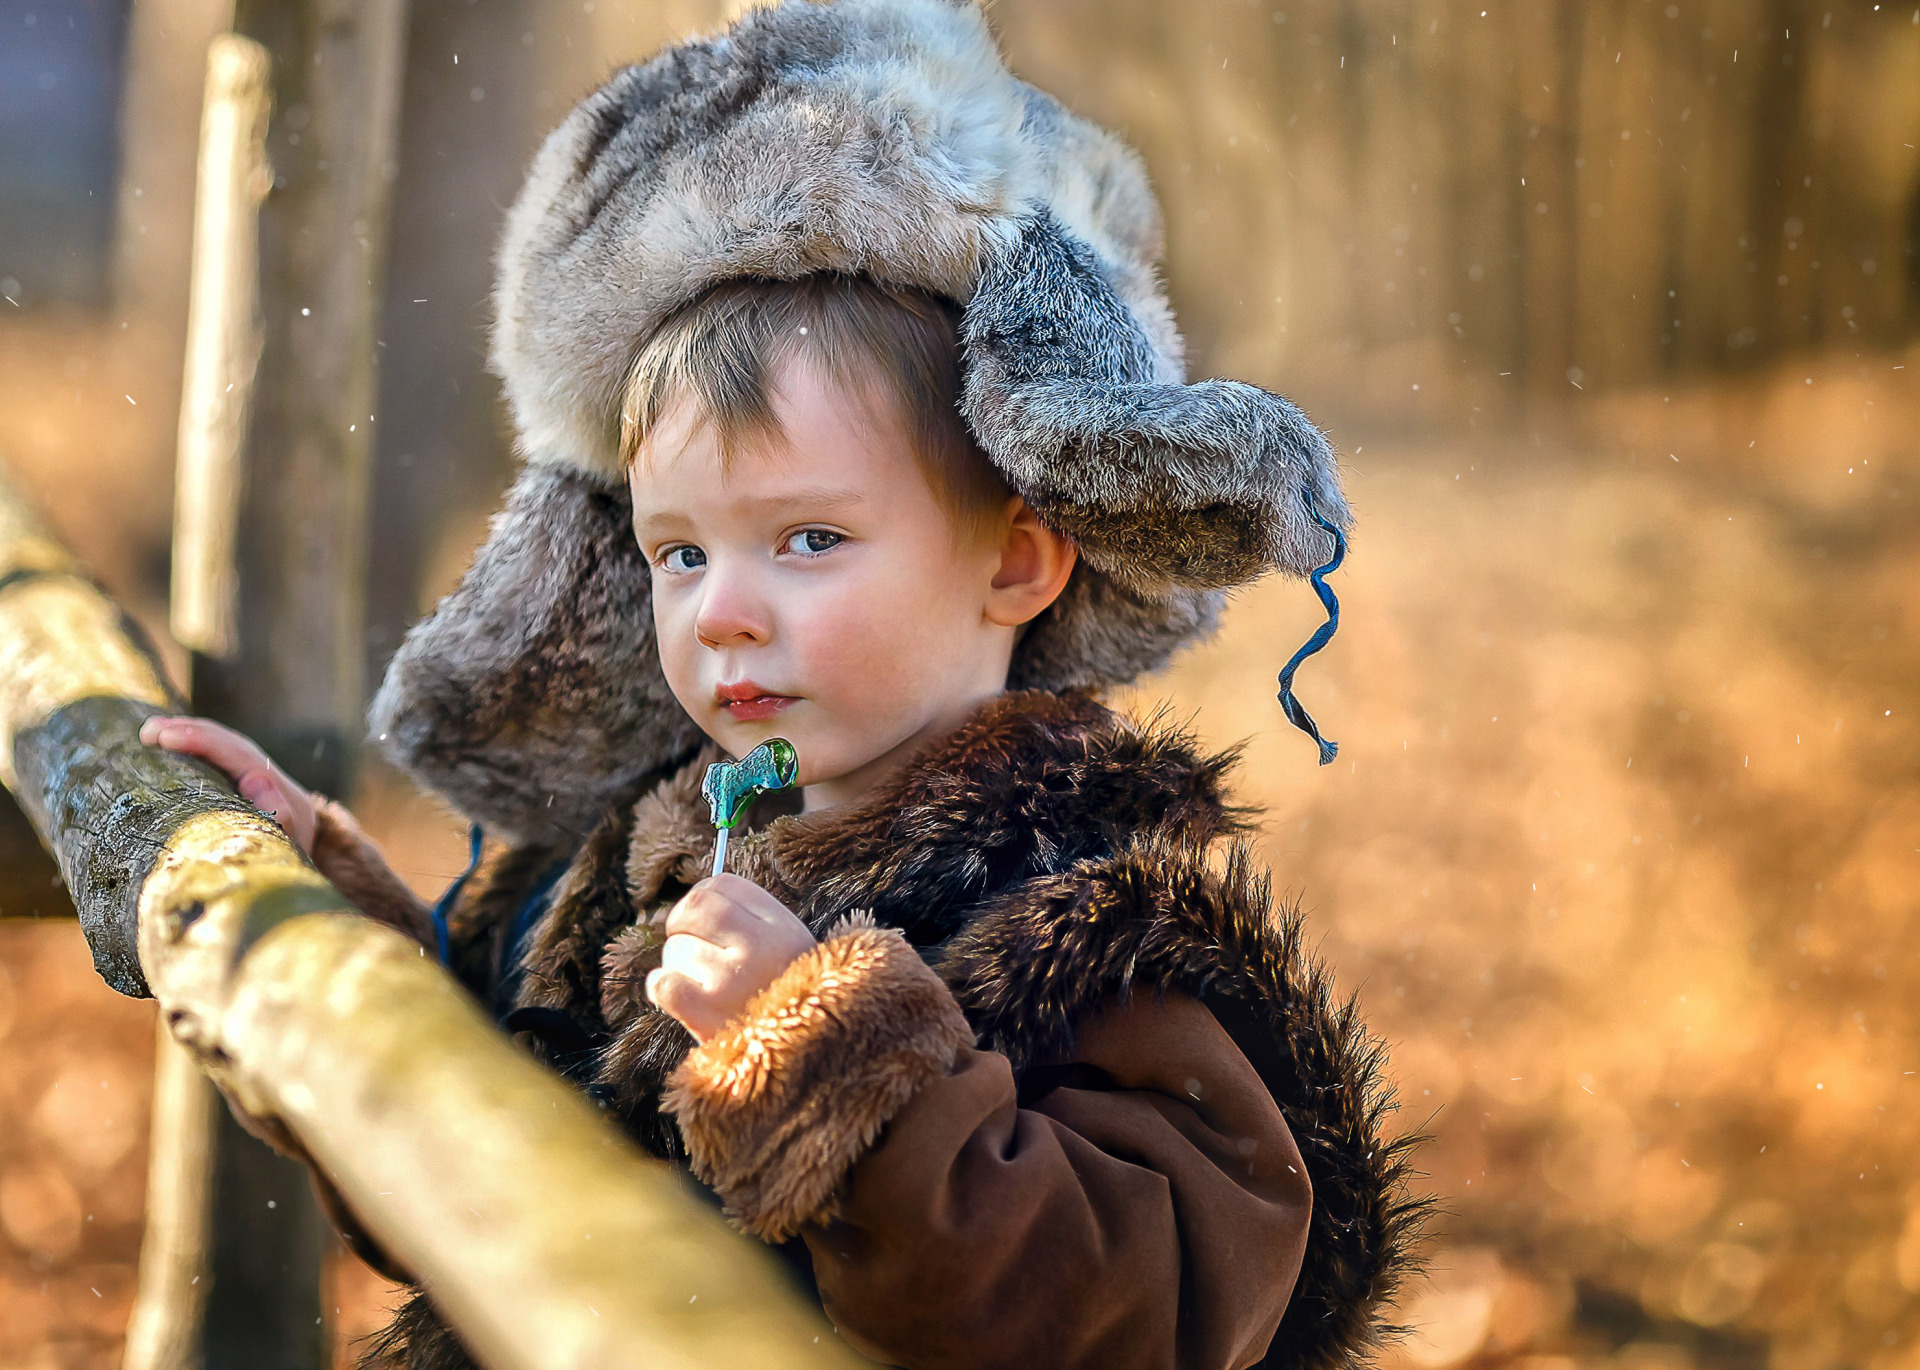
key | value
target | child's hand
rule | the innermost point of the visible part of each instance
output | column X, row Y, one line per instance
column 260, row 782
column 727, row 940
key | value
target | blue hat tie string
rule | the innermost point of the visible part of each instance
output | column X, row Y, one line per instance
column 1297, row 715
column 443, row 907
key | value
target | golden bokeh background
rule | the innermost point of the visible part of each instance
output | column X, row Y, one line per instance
column 1611, row 308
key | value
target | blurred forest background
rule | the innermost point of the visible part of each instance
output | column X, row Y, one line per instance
column 1614, row 310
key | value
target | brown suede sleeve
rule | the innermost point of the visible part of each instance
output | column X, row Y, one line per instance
column 347, row 857
column 1157, row 1218
column 777, row 1106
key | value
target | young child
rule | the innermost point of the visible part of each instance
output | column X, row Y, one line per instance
column 854, row 414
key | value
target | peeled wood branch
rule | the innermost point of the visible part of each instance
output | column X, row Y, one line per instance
column 546, row 1238
column 223, row 343
column 164, row 1328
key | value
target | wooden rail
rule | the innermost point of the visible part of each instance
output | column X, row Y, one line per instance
column 547, row 1239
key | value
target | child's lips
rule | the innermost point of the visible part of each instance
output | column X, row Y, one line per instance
column 747, row 702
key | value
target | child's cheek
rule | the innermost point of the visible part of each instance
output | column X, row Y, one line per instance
column 839, row 634
column 678, row 649
column 869, row 641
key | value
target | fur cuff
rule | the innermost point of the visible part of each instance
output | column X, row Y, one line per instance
column 776, row 1109
column 347, row 857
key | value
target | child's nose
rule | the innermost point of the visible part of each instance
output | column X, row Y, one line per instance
column 731, row 613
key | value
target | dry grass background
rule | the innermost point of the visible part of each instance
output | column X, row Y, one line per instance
column 1621, row 853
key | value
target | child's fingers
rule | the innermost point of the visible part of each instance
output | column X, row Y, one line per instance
column 260, row 782
column 219, row 746
column 705, row 964
column 748, row 897
column 708, row 914
column 260, row 791
column 669, row 992
column 729, row 910
column 288, row 806
column 681, row 999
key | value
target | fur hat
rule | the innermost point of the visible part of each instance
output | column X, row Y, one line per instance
column 881, row 137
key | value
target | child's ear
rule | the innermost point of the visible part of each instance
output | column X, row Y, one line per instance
column 1035, row 562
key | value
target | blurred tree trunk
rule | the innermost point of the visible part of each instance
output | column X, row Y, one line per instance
column 441, row 456
column 1366, row 197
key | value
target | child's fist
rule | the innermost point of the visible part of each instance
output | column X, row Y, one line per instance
column 727, row 940
column 260, row 782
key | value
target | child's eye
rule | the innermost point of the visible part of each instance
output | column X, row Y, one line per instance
column 811, row 542
column 683, row 558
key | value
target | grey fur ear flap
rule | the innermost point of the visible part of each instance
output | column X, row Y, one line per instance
column 1161, row 484
column 1098, row 634
column 532, row 698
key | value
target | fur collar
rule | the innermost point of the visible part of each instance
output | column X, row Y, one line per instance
column 1047, row 856
column 1032, row 785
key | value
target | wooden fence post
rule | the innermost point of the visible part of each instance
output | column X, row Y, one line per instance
column 271, row 525
column 166, row 1329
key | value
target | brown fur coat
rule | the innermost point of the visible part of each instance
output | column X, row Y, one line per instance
column 1049, row 982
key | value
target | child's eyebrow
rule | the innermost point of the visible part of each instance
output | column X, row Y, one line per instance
column 658, row 520
column 804, row 500
column 809, row 497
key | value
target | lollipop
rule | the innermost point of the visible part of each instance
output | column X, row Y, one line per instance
column 731, row 787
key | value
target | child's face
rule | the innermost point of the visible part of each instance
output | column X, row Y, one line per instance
column 816, row 589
